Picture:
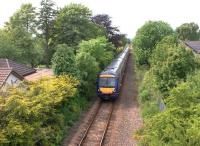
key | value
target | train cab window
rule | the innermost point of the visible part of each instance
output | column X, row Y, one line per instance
column 107, row 82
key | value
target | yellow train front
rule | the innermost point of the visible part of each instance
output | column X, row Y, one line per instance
column 109, row 80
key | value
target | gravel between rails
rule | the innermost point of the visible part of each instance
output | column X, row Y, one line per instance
column 126, row 117
column 98, row 128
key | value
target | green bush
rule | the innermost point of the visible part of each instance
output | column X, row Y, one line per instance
column 94, row 55
column 63, row 60
column 172, row 74
column 174, row 68
column 100, row 49
column 88, row 69
column 149, row 95
column 178, row 124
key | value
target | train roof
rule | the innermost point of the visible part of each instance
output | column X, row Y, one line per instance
column 115, row 64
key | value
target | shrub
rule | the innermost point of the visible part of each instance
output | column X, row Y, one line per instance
column 149, row 96
column 63, row 60
column 178, row 63
column 178, row 124
column 100, row 49
column 38, row 115
column 88, row 70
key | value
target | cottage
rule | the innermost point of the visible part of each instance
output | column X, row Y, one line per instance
column 11, row 73
column 9, row 77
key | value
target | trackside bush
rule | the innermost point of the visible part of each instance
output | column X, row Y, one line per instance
column 172, row 67
column 100, row 49
column 37, row 115
column 88, row 69
column 149, row 95
column 179, row 123
column 63, row 61
column 93, row 55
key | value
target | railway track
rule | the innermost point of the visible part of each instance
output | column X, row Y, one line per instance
column 94, row 132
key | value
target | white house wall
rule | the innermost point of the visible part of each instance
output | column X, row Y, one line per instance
column 12, row 80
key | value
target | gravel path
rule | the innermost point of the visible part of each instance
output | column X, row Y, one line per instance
column 126, row 117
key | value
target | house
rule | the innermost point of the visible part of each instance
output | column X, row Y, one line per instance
column 21, row 69
column 194, row 45
column 9, row 77
column 11, row 73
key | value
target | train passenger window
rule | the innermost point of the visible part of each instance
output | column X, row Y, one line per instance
column 106, row 82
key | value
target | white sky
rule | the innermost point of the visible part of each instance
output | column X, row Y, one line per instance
column 128, row 15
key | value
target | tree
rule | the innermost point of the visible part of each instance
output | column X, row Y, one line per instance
column 24, row 18
column 46, row 25
column 100, row 49
column 112, row 33
column 105, row 21
column 88, row 69
column 188, row 31
column 178, row 124
column 73, row 25
column 147, row 37
column 27, row 46
column 7, row 48
column 21, row 31
column 171, row 63
column 63, row 61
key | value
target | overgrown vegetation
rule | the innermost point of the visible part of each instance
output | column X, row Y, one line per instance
column 41, row 113
column 76, row 46
column 188, row 31
column 31, row 35
column 147, row 37
column 169, row 92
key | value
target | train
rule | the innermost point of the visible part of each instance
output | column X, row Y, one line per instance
column 109, row 81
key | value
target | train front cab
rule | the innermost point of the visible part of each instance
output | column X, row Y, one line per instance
column 107, row 87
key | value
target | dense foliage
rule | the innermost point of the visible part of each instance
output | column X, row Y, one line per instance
column 73, row 25
column 179, row 123
column 39, row 115
column 93, row 55
column 7, row 49
column 63, row 61
column 171, row 63
column 188, row 31
column 169, row 95
column 100, row 49
column 77, row 48
column 18, row 36
column 31, row 35
column 45, row 23
column 147, row 37
column 88, row 69
column 112, row 33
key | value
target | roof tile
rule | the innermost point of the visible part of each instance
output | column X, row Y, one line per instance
column 4, row 73
column 195, row 45
column 21, row 69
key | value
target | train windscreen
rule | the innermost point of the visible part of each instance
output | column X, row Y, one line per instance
column 107, row 82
